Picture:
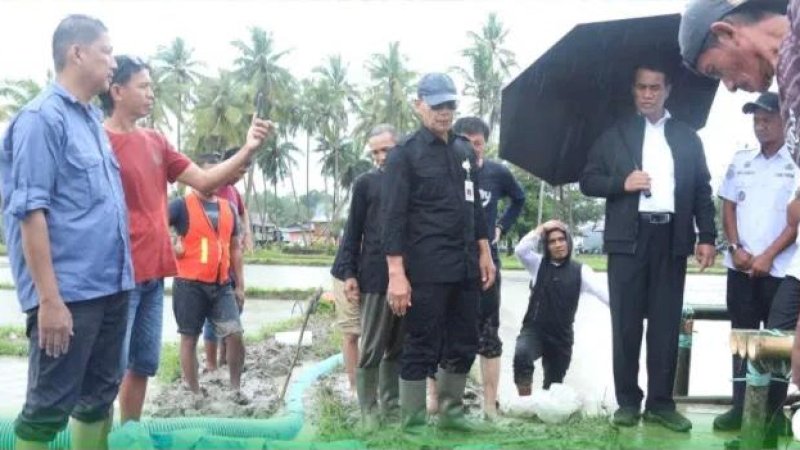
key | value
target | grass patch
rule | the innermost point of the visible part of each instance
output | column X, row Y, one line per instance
column 277, row 257
column 169, row 367
column 13, row 341
column 269, row 330
column 279, row 294
column 336, row 421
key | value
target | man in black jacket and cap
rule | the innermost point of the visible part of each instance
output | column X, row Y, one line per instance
column 652, row 171
column 437, row 251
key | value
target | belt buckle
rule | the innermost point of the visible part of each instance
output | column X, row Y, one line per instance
column 659, row 218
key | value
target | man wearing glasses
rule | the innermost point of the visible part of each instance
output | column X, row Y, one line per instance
column 437, row 249
column 148, row 162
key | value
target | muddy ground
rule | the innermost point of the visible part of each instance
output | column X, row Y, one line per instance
column 266, row 366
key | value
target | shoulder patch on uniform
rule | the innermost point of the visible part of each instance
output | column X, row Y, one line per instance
column 731, row 171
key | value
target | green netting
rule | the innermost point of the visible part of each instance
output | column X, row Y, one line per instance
column 135, row 436
column 188, row 433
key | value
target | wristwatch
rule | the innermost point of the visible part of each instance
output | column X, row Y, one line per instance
column 733, row 247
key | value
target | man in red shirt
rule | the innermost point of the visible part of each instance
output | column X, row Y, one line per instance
column 148, row 163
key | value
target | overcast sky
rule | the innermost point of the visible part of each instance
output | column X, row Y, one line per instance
column 431, row 34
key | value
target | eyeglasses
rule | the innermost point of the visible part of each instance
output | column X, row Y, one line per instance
column 451, row 105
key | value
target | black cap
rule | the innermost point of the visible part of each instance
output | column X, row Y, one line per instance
column 436, row 88
column 768, row 101
column 696, row 23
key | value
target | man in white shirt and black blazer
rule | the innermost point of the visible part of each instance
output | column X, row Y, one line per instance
column 652, row 171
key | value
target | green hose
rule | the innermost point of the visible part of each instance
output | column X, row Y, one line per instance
column 283, row 427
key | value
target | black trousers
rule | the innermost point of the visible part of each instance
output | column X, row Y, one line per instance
column 785, row 305
column 554, row 347
column 646, row 285
column 441, row 326
column 82, row 383
column 749, row 300
column 782, row 316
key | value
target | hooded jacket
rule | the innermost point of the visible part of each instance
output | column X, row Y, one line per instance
column 554, row 298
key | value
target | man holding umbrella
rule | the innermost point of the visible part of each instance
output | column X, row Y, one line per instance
column 652, row 171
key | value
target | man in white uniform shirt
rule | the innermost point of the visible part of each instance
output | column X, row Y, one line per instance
column 755, row 193
column 652, row 171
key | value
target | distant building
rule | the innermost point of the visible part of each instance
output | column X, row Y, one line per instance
column 264, row 231
column 296, row 233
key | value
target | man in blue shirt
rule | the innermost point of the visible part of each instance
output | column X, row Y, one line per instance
column 67, row 236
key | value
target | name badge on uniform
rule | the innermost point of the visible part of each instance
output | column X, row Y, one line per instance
column 469, row 191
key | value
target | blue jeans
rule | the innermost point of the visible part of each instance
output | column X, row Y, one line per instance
column 142, row 348
column 208, row 329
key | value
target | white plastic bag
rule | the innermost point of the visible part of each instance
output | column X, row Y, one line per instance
column 518, row 407
column 556, row 404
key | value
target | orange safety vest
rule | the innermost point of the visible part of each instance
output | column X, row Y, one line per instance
column 207, row 252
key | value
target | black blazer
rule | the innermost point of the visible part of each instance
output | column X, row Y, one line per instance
column 617, row 153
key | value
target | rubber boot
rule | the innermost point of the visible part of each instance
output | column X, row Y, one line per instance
column 778, row 425
column 367, row 389
column 731, row 420
column 89, row 435
column 451, row 388
column 412, row 405
column 389, row 390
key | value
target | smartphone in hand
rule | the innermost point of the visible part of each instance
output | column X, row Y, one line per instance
column 261, row 106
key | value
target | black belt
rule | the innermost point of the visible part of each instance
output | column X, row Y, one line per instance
column 655, row 218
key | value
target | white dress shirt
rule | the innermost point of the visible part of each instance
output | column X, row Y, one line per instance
column 761, row 188
column 658, row 163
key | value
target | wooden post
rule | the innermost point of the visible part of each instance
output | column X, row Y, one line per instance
column 754, row 418
column 684, row 365
column 769, row 347
column 766, row 348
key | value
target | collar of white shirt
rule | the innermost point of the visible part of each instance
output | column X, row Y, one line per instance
column 660, row 122
column 782, row 153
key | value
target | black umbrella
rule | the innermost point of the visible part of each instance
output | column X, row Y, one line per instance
column 554, row 110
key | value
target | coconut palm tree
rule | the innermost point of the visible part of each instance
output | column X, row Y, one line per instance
column 388, row 97
column 334, row 97
column 178, row 70
column 488, row 67
column 258, row 66
column 221, row 116
column 309, row 114
column 14, row 94
column 276, row 165
column 164, row 101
